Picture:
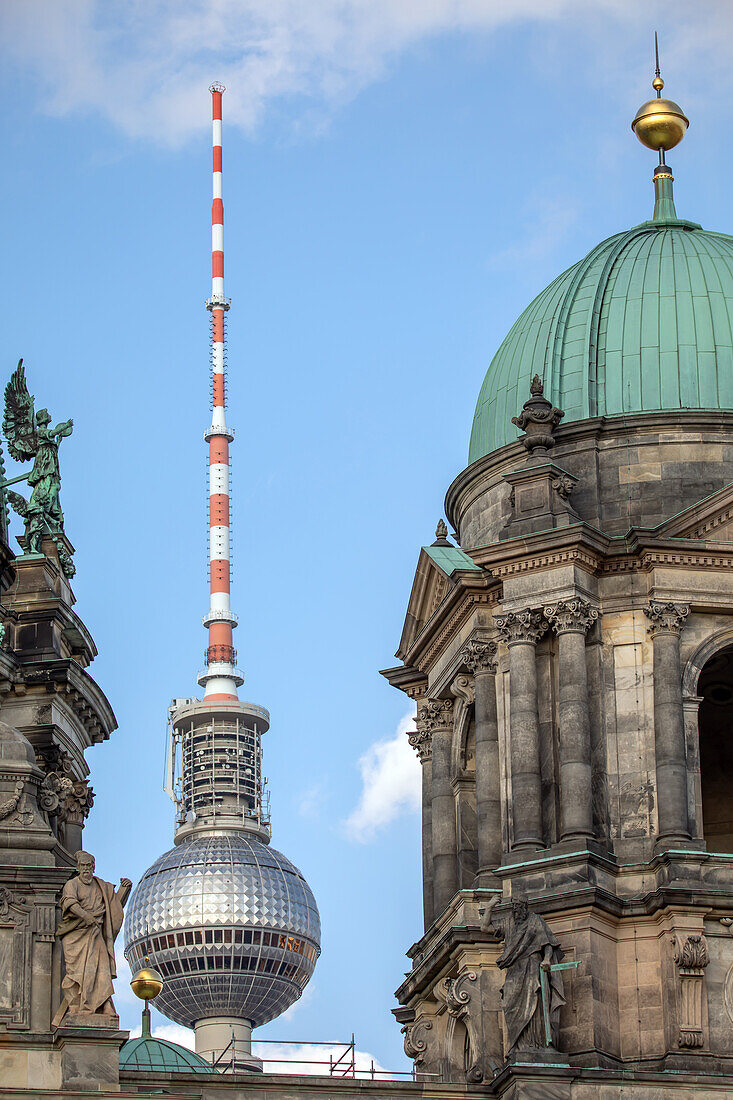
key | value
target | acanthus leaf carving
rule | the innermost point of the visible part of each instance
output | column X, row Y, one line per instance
column 574, row 615
column 666, row 617
column 525, row 626
column 479, row 656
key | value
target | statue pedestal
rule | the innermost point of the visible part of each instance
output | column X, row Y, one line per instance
column 89, row 1045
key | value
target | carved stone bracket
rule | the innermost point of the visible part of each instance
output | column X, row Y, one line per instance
column 566, row 616
column 691, row 957
column 417, row 1039
column 666, row 618
column 538, row 419
column 479, row 656
column 521, row 626
column 457, row 993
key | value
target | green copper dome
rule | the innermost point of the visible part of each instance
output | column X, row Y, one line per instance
column 644, row 322
column 158, row 1055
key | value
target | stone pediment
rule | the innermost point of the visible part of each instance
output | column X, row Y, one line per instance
column 710, row 519
column 433, row 582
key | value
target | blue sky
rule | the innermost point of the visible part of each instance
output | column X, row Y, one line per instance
column 401, row 178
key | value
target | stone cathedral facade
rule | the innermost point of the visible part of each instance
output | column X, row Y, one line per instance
column 570, row 655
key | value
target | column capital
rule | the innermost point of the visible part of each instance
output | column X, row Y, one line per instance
column 526, row 626
column 422, row 743
column 479, row 656
column 574, row 616
column 434, row 714
column 666, row 617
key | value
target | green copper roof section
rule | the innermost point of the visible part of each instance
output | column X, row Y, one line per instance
column 450, row 558
column 644, row 322
column 148, row 1053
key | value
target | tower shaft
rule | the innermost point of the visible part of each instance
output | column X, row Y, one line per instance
column 221, row 677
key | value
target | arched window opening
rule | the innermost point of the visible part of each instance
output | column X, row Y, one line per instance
column 715, row 686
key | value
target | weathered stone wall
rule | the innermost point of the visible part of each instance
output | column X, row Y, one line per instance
column 633, row 471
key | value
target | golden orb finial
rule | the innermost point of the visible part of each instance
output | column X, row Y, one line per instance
column 147, row 983
column 660, row 124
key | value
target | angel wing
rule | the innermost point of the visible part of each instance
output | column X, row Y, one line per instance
column 18, row 503
column 19, row 423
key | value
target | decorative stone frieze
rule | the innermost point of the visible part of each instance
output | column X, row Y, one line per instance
column 521, row 627
column 691, row 957
column 538, row 419
column 479, row 656
column 574, row 615
column 666, row 618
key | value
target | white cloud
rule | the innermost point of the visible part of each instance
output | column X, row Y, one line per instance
column 173, row 1033
column 313, row 1058
column 390, row 774
column 143, row 64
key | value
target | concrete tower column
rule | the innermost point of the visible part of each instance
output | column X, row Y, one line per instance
column 665, row 626
column 480, row 658
column 422, row 742
column 571, row 620
column 521, row 631
column 435, row 717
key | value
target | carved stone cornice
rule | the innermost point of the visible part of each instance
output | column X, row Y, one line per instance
column 666, row 617
column 434, row 714
column 571, row 616
column 479, row 656
column 521, row 627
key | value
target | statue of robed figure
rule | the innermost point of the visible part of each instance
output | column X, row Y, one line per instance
column 29, row 437
column 91, row 917
column 530, row 954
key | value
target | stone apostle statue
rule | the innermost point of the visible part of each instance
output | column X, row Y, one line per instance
column 91, row 917
column 529, row 950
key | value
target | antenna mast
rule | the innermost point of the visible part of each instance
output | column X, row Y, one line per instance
column 220, row 678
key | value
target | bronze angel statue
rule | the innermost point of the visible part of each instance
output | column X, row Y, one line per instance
column 29, row 437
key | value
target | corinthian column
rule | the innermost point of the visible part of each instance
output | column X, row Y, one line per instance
column 665, row 626
column 435, row 718
column 571, row 620
column 521, row 631
column 480, row 658
column 422, row 743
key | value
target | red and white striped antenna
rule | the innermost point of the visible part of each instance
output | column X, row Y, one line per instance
column 221, row 677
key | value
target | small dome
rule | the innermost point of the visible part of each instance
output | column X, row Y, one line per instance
column 230, row 924
column 149, row 1053
column 643, row 323
column 14, row 747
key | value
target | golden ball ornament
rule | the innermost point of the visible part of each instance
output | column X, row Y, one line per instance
column 660, row 124
column 147, row 984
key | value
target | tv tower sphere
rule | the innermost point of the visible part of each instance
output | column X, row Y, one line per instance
column 231, row 925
